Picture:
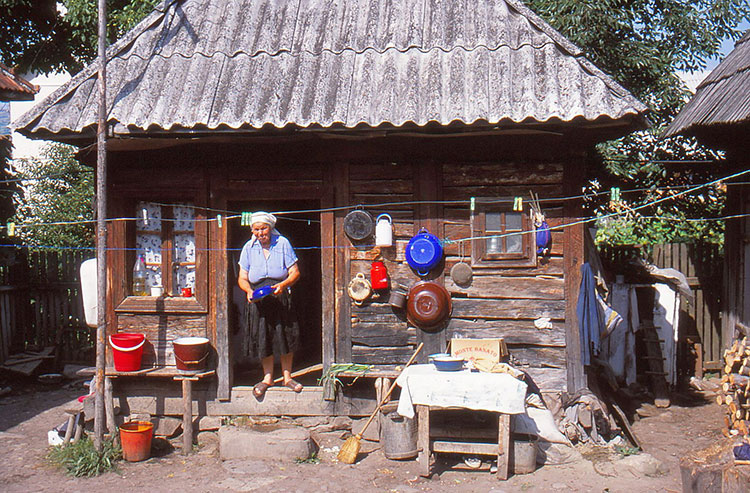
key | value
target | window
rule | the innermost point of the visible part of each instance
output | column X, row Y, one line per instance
column 506, row 240
column 165, row 239
column 171, row 234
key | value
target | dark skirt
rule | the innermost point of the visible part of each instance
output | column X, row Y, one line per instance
column 270, row 325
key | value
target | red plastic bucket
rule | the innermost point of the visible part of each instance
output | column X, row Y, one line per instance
column 135, row 438
column 127, row 350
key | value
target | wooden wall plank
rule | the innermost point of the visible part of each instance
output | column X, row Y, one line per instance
column 511, row 287
column 511, row 308
column 513, row 331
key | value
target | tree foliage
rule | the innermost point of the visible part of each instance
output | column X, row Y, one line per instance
column 56, row 188
column 644, row 44
column 39, row 37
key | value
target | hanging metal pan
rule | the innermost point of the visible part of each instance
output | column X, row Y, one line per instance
column 358, row 225
column 428, row 305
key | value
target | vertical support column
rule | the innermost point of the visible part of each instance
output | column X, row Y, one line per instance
column 423, row 439
column 503, row 446
column 342, row 302
column 573, row 258
column 187, row 416
column 109, row 407
column 428, row 186
column 328, row 269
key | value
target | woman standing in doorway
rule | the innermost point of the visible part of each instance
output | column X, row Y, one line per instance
column 268, row 259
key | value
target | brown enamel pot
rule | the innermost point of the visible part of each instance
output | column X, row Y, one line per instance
column 428, row 305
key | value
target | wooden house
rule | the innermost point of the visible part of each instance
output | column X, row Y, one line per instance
column 718, row 116
column 407, row 107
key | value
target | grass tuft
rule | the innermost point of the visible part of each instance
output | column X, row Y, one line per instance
column 80, row 459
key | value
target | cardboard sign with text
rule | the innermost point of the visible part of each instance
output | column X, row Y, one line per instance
column 493, row 350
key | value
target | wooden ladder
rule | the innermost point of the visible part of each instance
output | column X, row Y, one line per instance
column 655, row 360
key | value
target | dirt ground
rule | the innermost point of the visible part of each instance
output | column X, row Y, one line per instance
column 693, row 422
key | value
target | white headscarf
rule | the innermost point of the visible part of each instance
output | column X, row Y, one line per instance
column 265, row 218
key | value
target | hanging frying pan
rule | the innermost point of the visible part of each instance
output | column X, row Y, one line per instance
column 358, row 225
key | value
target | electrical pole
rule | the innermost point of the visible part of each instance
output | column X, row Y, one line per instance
column 101, row 227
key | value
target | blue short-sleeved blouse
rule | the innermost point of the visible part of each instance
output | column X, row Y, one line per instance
column 275, row 267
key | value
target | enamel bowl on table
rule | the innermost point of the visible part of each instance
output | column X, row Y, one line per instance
column 448, row 363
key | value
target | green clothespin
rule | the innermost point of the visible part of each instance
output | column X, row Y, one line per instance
column 11, row 228
column 247, row 218
column 615, row 194
column 218, row 220
column 518, row 204
column 473, row 205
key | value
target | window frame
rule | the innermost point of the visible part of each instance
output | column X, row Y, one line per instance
column 123, row 236
column 480, row 257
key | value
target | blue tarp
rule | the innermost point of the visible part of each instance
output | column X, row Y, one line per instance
column 589, row 322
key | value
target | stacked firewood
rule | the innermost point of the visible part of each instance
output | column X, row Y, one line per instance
column 735, row 389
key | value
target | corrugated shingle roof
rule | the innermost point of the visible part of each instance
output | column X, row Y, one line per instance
column 722, row 98
column 241, row 64
column 14, row 87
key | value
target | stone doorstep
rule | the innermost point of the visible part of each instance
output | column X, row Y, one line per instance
column 282, row 443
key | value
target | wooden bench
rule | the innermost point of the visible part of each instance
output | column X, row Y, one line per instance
column 186, row 379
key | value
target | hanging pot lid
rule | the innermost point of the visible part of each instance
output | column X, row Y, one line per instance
column 429, row 305
column 424, row 252
column 358, row 224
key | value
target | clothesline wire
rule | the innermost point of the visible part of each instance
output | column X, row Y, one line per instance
column 283, row 214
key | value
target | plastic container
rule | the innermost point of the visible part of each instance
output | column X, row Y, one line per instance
column 88, row 291
column 191, row 353
column 135, row 438
column 127, row 350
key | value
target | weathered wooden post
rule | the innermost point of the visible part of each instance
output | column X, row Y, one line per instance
column 101, row 227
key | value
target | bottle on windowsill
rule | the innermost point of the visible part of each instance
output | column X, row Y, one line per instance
column 139, row 277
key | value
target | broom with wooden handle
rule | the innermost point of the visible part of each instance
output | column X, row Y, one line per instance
column 350, row 449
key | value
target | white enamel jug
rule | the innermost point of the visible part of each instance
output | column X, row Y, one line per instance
column 384, row 231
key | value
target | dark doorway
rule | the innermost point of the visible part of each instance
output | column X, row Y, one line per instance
column 302, row 229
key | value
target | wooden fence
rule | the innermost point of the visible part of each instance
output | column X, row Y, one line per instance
column 702, row 264
column 40, row 305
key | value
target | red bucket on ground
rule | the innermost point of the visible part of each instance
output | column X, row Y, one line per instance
column 135, row 438
column 127, row 350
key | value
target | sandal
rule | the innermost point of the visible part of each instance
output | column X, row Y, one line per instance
column 259, row 390
column 294, row 385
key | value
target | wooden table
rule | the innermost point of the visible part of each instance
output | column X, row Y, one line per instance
column 424, row 389
column 427, row 445
column 186, row 378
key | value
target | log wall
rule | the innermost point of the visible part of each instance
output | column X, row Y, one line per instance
column 500, row 302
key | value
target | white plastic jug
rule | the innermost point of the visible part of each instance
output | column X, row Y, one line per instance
column 384, row 231
column 88, row 291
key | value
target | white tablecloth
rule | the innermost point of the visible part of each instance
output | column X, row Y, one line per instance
column 423, row 384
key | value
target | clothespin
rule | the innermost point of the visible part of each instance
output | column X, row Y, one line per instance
column 615, row 194
column 247, row 218
column 518, row 204
column 473, row 204
column 218, row 220
column 11, row 228
column 144, row 213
